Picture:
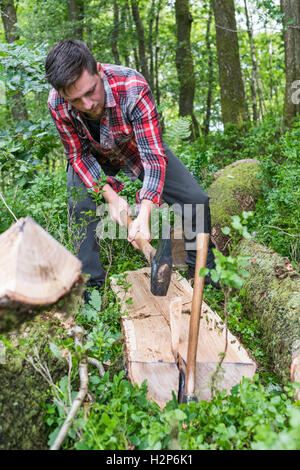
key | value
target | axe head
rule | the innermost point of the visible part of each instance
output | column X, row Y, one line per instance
column 161, row 269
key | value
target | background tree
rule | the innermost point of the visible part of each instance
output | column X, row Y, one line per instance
column 185, row 63
column 230, row 75
column 206, row 122
column 143, row 62
column 256, row 91
column 291, row 33
column 15, row 99
column 76, row 17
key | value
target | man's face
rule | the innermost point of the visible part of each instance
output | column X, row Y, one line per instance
column 87, row 94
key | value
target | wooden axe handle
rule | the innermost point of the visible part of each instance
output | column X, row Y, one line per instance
column 142, row 243
column 202, row 248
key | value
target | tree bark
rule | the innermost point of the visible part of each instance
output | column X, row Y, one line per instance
column 291, row 34
column 185, row 63
column 255, row 81
column 210, row 74
column 17, row 106
column 115, row 34
column 270, row 71
column 271, row 297
column 76, row 16
column 125, row 24
column 230, row 74
column 141, row 39
column 236, row 188
column 157, row 88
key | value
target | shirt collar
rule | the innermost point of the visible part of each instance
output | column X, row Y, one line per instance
column 109, row 97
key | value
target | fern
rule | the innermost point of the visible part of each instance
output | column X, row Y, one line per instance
column 179, row 130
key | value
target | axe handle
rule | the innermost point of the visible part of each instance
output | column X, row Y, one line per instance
column 142, row 243
column 202, row 248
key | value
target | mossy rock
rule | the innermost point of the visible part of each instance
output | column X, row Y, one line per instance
column 22, row 389
column 236, row 189
column 271, row 295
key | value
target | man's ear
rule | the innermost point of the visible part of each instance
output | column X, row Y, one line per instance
column 100, row 69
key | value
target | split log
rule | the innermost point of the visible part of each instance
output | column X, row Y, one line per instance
column 236, row 189
column 271, row 295
column 148, row 340
column 40, row 290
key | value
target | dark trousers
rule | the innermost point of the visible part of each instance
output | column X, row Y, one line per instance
column 181, row 191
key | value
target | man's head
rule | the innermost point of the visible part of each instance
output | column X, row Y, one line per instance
column 72, row 70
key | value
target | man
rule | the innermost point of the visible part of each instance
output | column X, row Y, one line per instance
column 107, row 121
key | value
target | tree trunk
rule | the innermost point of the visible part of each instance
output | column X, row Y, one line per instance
column 210, row 75
column 271, row 297
column 185, row 63
column 236, row 188
column 157, row 89
column 115, row 34
column 125, row 24
column 270, row 71
column 255, row 81
column 17, row 106
column 291, row 34
column 76, row 16
column 230, row 75
column 150, row 45
column 141, row 39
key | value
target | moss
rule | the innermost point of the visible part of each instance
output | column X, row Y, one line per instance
column 235, row 190
column 274, row 301
column 22, row 389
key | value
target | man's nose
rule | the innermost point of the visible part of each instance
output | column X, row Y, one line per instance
column 87, row 103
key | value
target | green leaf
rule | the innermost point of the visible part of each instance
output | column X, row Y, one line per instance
column 203, row 272
column 55, row 350
column 226, row 230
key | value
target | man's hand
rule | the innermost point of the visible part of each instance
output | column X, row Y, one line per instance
column 142, row 222
column 116, row 204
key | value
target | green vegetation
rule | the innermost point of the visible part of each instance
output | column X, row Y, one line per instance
column 258, row 414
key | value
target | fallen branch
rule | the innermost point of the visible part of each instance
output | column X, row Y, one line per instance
column 97, row 364
column 84, row 383
column 8, row 208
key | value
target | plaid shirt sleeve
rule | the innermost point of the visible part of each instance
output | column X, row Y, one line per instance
column 145, row 121
column 78, row 153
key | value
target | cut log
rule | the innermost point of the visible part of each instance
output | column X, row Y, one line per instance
column 271, row 295
column 148, row 340
column 35, row 270
column 237, row 188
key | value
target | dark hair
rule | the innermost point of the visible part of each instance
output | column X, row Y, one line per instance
column 66, row 61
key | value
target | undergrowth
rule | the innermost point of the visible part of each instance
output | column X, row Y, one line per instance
column 258, row 414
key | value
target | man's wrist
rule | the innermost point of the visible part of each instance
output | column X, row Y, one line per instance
column 147, row 206
column 109, row 193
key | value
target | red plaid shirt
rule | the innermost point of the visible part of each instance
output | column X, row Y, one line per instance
column 129, row 134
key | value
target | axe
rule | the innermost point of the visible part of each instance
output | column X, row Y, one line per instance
column 160, row 260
